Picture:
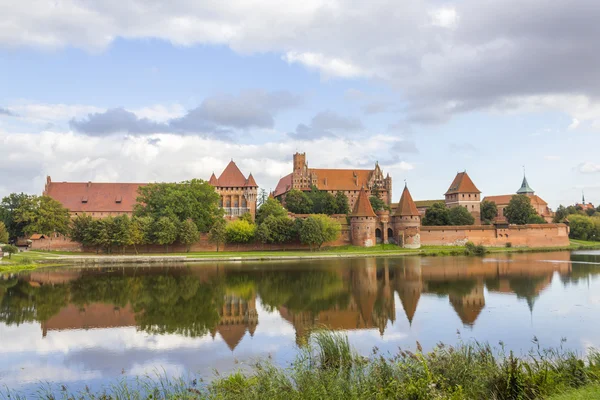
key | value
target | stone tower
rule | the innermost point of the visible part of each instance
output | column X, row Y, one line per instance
column 407, row 222
column 363, row 221
column 463, row 193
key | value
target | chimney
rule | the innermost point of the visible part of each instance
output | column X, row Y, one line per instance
column 89, row 183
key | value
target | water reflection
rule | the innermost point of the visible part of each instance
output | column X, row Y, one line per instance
column 229, row 301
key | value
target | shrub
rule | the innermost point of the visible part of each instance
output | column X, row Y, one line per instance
column 508, row 244
column 475, row 250
column 240, row 231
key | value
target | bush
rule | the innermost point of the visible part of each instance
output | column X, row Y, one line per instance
column 508, row 244
column 474, row 250
column 240, row 231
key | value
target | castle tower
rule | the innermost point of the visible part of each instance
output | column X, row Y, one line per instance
column 463, row 193
column 407, row 222
column 363, row 221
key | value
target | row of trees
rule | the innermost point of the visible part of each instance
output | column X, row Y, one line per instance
column 273, row 226
column 316, row 202
column 440, row 215
column 563, row 212
column 584, row 227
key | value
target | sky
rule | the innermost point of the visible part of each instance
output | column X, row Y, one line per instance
column 151, row 91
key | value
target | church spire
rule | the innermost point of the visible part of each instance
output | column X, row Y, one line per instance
column 525, row 188
column 582, row 198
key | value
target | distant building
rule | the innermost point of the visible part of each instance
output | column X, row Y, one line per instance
column 463, row 193
column 238, row 195
column 541, row 206
column 583, row 205
column 347, row 181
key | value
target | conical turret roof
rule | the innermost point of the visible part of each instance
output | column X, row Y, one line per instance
column 251, row 182
column 406, row 206
column 363, row 207
column 213, row 180
column 525, row 189
column 462, row 183
column 232, row 176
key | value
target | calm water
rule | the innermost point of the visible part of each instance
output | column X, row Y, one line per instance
column 93, row 326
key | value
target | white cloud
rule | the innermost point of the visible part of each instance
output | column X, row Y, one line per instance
column 444, row 17
column 589, row 167
column 329, row 67
column 573, row 125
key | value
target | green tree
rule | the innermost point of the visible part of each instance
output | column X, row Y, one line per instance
column 142, row 231
column 460, row 216
column 560, row 214
column 276, row 230
column 102, row 233
column 271, row 207
column 3, row 233
column 166, row 231
column 122, row 232
column 519, row 210
column 42, row 214
column 188, row 234
column 239, row 231
column 193, row 199
column 582, row 227
column 377, row 203
column 217, row 233
column 80, row 229
column 436, row 215
column 489, row 211
column 328, row 204
column 342, row 205
column 298, row 202
column 590, row 212
column 536, row 219
column 247, row 217
column 8, row 208
column 10, row 249
column 318, row 229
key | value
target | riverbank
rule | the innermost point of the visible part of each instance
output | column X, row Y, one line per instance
column 328, row 368
column 35, row 259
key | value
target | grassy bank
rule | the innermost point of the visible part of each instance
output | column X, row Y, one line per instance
column 328, row 368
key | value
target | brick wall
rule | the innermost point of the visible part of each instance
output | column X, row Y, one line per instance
column 541, row 235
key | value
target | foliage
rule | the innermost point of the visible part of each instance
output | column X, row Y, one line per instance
column 122, row 232
column 536, row 219
column 195, row 200
column 3, row 233
column 276, row 230
column 298, row 202
column 42, row 214
column 341, row 202
column 10, row 249
column 268, row 208
column 519, row 210
column 318, row 229
column 261, row 198
column 560, row 214
column 475, row 250
column 8, row 207
column 239, row 231
column 377, row 203
column 460, row 216
column 188, row 233
column 166, row 231
column 584, row 228
column 247, row 217
column 489, row 211
column 217, row 233
column 436, row 215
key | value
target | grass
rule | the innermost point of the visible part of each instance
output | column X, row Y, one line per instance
column 328, row 368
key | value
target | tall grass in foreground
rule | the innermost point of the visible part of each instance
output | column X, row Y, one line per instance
column 328, row 368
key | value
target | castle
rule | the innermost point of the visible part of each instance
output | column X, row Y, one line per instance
column 237, row 193
column 348, row 181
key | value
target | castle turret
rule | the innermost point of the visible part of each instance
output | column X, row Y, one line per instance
column 363, row 221
column 463, row 193
column 407, row 222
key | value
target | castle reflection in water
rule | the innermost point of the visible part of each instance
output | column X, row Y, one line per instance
column 222, row 299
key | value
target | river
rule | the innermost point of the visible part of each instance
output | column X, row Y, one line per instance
column 93, row 326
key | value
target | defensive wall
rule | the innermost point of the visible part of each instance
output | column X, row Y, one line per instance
column 534, row 235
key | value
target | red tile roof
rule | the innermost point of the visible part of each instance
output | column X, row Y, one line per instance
column 250, row 182
column 213, row 180
column 341, row 179
column 505, row 199
column 283, row 186
column 232, row 176
column 363, row 207
column 406, row 206
column 94, row 197
column 462, row 183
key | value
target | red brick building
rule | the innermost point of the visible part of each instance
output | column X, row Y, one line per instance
column 238, row 195
column 348, row 181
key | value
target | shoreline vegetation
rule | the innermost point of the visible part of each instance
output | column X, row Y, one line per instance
column 327, row 367
column 33, row 259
